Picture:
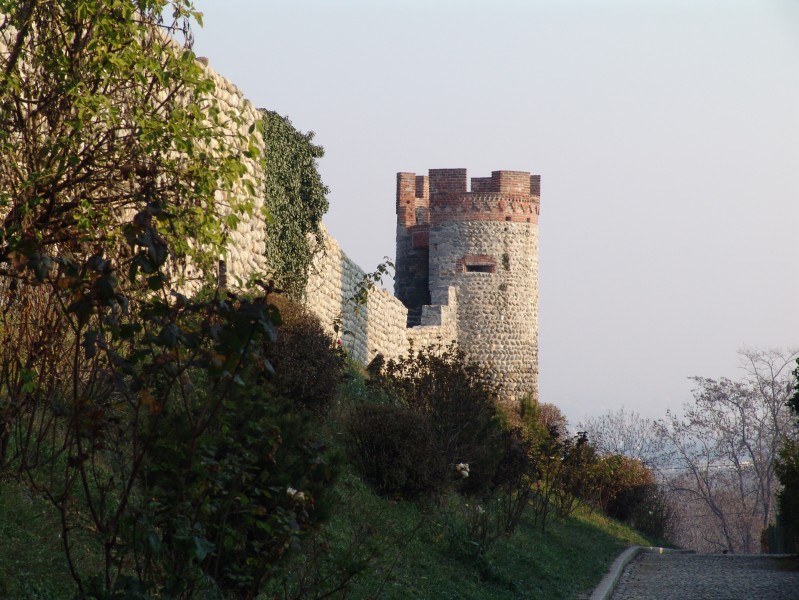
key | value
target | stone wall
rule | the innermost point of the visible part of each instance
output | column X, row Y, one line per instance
column 379, row 326
column 245, row 254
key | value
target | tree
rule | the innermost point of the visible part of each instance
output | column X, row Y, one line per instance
column 103, row 115
column 133, row 409
column 723, row 451
column 625, row 434
column 788, row 470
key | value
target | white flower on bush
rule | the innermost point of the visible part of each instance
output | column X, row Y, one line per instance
column 295, row 495
column 462, row 469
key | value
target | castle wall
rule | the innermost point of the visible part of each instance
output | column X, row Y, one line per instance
column 379, row 326
column 246, row 248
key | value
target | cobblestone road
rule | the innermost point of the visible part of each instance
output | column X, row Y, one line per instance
column 709, row 577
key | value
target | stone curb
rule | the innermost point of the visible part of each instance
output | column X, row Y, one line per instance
column 605, row 588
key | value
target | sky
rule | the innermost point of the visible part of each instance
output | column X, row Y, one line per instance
column 666, row 134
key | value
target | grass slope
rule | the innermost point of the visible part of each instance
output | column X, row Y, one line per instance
column 417, row 551
column 406, row 550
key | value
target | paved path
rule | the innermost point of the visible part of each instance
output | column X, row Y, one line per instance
column 709, row 577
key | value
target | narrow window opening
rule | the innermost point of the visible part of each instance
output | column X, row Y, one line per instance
column 479, row 268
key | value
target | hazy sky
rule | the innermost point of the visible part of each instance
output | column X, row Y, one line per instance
column 666, row 134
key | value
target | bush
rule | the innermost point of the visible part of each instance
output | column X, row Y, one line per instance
column 787, row 470
column 457, row 401
column 227, row 506
column 620, row 485
column 396, row 450
column 653, row 515
column 308, row 364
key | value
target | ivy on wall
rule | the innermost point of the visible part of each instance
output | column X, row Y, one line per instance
column 295, row 200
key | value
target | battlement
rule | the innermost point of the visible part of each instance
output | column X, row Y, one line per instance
column 448, row 181
column 516, row 183
column 413, row 193
column 443, row 196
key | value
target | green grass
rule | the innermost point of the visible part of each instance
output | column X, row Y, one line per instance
column 32, row 563
column 396, row 549
column 406, row 550
column 418, row 551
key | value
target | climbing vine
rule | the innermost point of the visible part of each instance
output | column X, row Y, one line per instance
column 295, row 199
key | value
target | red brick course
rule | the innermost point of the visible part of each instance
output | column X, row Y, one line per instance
column 505, row 196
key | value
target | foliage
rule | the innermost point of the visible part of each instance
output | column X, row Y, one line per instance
column 32, row 563
column 788, row 497
column 571, row 469
column 145, row 419
column 364, row 539
column 787, row 469
column 295, row 198
column 497, row 513
column 369, row 281
column 308, row 365
column 239, row 495
column 396, row 450
column 618, row 483
column 652, row 513
column 379, row 547
column 118, row 119
column 458, row 402
column 552, row 419
column 625, row 489
column 178, row 461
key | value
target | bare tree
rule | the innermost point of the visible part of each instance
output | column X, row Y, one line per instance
column 626, row 434
column 723, row 451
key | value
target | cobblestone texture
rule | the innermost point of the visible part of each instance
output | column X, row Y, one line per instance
column 709, row 577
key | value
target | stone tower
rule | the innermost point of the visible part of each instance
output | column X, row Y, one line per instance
column 484, row 243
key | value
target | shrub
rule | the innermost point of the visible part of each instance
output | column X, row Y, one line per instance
column 632, row 491
column 572, row 477
column 787, row 470
column 619, row 484
column 229, row 504
column 308, row 365
column 653, row 515
column 396, row 450
column 457, row 401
